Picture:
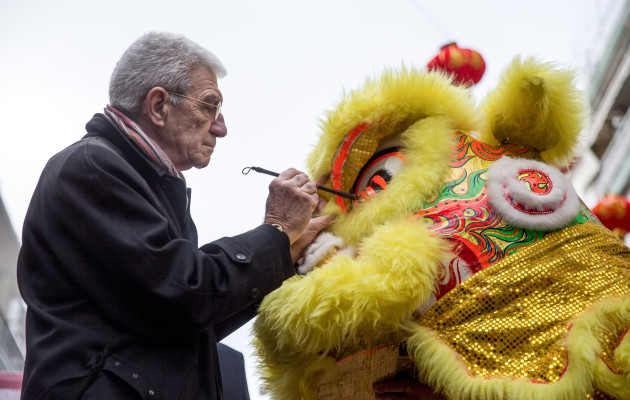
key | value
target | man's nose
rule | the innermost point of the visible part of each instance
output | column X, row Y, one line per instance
column 218, row 127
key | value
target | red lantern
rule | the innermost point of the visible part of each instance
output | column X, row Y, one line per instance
column 467, row 66
column 614, row 212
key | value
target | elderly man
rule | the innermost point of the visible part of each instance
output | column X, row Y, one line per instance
column 122, row 303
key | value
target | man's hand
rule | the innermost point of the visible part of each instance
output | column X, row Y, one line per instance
column 314, row 227
column 291, row 202
column 404, row 390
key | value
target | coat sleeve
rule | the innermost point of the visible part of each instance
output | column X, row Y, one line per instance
column 97, row 221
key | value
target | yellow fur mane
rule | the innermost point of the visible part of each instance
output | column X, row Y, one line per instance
column 430, row 109
column 311, row 317
column 536, row 105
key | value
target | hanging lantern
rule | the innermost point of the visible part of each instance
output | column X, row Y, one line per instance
column 467, row 66
column 614, row 212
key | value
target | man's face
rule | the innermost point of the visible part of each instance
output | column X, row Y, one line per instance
column 190, row 132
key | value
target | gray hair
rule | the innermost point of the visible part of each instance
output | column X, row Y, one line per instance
column 157, row 59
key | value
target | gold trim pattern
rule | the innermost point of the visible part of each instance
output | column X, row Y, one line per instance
column 511, row 319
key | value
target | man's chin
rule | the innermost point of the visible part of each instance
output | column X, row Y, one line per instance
column 202, row 163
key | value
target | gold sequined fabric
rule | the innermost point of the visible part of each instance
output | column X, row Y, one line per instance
column 510, row 320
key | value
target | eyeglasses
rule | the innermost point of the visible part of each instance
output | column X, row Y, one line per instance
column 218, row 105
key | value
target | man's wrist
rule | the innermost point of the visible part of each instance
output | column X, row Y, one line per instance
column 278, row 227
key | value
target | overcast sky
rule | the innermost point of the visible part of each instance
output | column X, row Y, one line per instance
column 288, row 62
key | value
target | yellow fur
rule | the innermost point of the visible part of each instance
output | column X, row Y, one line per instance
column 622, row 355
column 434, row 108
column 398, row 260
column 536, row 105
column 315, row 313
column 428, row 148
column 407, row 94
column 291, row 379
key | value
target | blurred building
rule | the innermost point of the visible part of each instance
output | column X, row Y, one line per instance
column 605, row 165
column 12, row 310
column 12, row 313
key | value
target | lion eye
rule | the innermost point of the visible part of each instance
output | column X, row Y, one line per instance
column 378, row 172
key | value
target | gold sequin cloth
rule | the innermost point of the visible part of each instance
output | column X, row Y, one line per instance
column 506, row 321
column 510, row 320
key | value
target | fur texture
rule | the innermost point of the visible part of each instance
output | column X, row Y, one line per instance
column 313, row 314
column 323, row 245
column 317, row 312
column 562, row 202
column 395, row 95
column 398, row 261
column 537, row 105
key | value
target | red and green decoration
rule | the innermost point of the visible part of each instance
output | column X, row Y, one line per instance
column 461, row 210
column 466, row 65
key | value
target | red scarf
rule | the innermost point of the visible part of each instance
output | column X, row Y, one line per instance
column 147, row 145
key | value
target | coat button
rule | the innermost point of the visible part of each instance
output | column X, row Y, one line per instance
column 151, row 392
column 255, row 293
column 241, row 257
column 135, row 376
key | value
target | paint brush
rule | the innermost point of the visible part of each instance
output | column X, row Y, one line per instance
column 340, row 193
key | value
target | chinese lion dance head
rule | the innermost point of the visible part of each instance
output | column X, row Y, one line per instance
column 467, row 260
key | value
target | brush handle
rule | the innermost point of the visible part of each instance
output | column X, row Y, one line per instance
column 340, row 193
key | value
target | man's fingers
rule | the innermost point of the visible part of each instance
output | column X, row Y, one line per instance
column 310, row 188
column 321, row 180
column 291, row 202
column 323, row 221
column 302, row 180
column 289, row 173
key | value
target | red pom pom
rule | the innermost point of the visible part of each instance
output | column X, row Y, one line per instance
column 467, row 66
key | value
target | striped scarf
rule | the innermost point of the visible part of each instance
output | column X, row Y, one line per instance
column 147, row 145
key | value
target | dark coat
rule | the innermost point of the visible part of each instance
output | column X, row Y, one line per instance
column 121, row 301
column 233, row 373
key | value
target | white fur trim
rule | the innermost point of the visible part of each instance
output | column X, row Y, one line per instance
column 316, row 251
column 521, row 207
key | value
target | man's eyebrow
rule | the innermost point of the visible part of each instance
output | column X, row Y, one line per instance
column 210, row 98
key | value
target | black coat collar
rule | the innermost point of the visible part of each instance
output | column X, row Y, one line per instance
column 101, row 126
column 170, row 190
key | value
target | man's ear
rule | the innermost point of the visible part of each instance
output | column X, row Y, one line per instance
column 156, row 106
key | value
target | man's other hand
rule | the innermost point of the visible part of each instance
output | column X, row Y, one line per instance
column 291, row 202
column 314, row 227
